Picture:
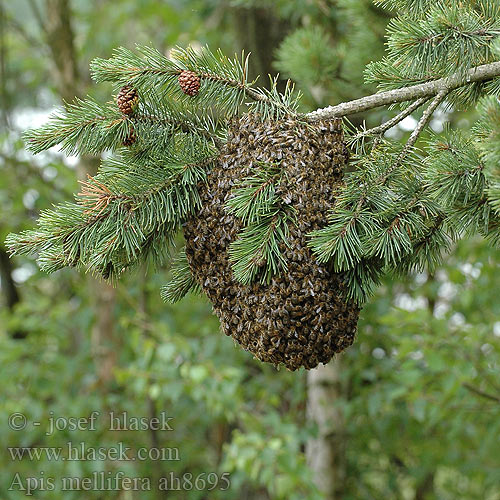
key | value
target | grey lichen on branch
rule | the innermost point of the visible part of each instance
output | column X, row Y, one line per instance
column 427, row 89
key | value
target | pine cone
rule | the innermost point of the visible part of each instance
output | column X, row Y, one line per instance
column 301, row 318
column 130, row 139
column 127, row 100
column 189, row 82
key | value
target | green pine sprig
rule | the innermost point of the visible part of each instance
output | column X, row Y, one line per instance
column 430, row 40
column 258, row 250
column 86, row 127
column 117, row 220
column 182, row 280
column 256, row 195
column 272, row 104
column 223, row 80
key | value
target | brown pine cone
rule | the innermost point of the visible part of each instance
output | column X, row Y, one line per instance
column 130, row 139
column 127, row 100
column 189, row 82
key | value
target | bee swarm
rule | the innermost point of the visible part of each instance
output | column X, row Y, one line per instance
column 301, row 318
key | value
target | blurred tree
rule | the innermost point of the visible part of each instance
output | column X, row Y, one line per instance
column 58, row 31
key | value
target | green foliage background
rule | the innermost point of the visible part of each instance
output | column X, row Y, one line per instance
column 421, row 387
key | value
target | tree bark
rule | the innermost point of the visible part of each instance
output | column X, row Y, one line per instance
column 326, row 451
column 9, row 289
column 428, row 89
column 60, row 39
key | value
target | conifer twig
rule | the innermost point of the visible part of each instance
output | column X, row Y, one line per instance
column 249, row 91
column 437, row 223
column 384, row 127
column 427, row 89
column 411, row 141
column 185, row 126
column 421, row 125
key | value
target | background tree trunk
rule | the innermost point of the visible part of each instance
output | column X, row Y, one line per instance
column 60, row 38
column 259, row 31
column 326, row 452
column 8, row 286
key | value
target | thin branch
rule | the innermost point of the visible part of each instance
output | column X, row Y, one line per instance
column 184, row 126
column 438, row 222
column 421, row 125
column 428, row 89
column 410, row 143
column 249, row 91
column 481, row 393
column 95, row 196
column 384, row 127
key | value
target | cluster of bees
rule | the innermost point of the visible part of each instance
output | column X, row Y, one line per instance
column 301, row 317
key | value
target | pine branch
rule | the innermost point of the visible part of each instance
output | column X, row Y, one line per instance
column 189, row 124
column 388, row 216
column 417, row 6
column 427, row 251
column 257, row 249
column 393, row 242
column 343, row 240
column 492, row 233
column 357, row 140
column 182, row 281
column 88, row 127
column 255, row 196
column 117, row 220
column 224, row 81
column 382, row 179
column 446, row 39
column 481, row 73
column 274, row 104
column 455, row 175
column 383, row 221
column 363, row 279
column 250, row 92
column 265, row 218
column 406, row 221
